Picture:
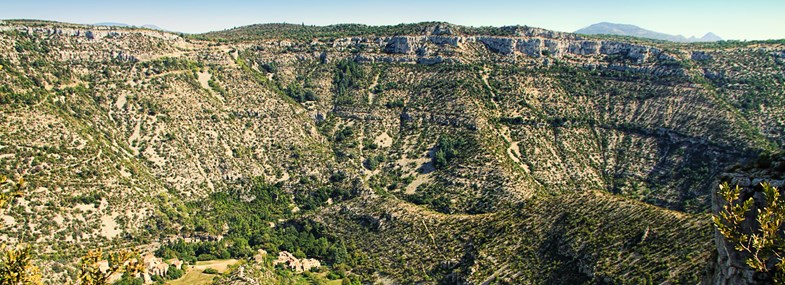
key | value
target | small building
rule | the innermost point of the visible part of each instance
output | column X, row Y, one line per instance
column 296, row 264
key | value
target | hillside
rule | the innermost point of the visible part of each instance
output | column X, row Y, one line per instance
column 513, row 154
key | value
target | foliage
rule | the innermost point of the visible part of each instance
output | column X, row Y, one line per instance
column 397, row 103
column 128, row 279
column 174, row 272
column 348, row 75
column 764, row 242
column 96, row 271
column 15, row 191
column 373, row 161
column 16, row 264
column 311, row 200
column 447, row 149
column 249, row 225
column 210, row 271
column 299, row 94
column 308, row 33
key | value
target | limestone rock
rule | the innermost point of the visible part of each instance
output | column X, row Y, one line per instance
column 530, row 47
column 503, row 46
column 399, row 45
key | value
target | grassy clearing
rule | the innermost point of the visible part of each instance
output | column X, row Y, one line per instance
column 195, row 275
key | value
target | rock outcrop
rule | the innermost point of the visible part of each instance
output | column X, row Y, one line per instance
column 398, row 45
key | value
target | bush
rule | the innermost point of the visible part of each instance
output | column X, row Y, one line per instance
column 205, row 257
column 174, row 273
column 210, row 271
column 333, row 276
column 447, row 149
column 398, row 103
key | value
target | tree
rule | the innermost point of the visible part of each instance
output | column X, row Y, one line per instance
column 763, row 240
column 447, row 149
column 96, row 272
column 240, row 248
column 16, row 263
column 174, row 272
column 16, row 266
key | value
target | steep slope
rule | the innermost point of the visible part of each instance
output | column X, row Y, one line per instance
column 93, row 128
column 581, row 238
column 467, row 132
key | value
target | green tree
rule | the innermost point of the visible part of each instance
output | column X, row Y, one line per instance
column 764, row 240
column 174, row 272
column 447, row 149
column 16, row 263
column 93, row 272
column 240, row 248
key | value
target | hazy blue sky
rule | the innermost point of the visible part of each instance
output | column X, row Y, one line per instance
column 750, row 19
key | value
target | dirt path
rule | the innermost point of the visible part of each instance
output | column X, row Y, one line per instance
column 514, row 150
column 370, row 88
column 484, row 76
column 419, row 180
column 109, row 228
column 133, row 141
column 121, row 100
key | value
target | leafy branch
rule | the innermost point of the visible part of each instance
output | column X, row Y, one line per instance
column 764, row 243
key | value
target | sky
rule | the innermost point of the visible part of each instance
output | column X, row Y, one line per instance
column 739, row 20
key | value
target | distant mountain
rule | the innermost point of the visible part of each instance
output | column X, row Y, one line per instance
column 152, row 27
column 606, row 28
column 113, row 24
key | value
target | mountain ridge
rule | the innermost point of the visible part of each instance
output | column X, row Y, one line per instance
column 606, row 28
column 124, row 25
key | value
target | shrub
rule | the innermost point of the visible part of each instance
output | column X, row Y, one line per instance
column 447, row 149
column 174, row 272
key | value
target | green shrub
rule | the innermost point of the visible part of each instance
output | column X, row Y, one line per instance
column 447, row 149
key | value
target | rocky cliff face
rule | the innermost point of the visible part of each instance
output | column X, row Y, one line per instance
column 527, row 41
